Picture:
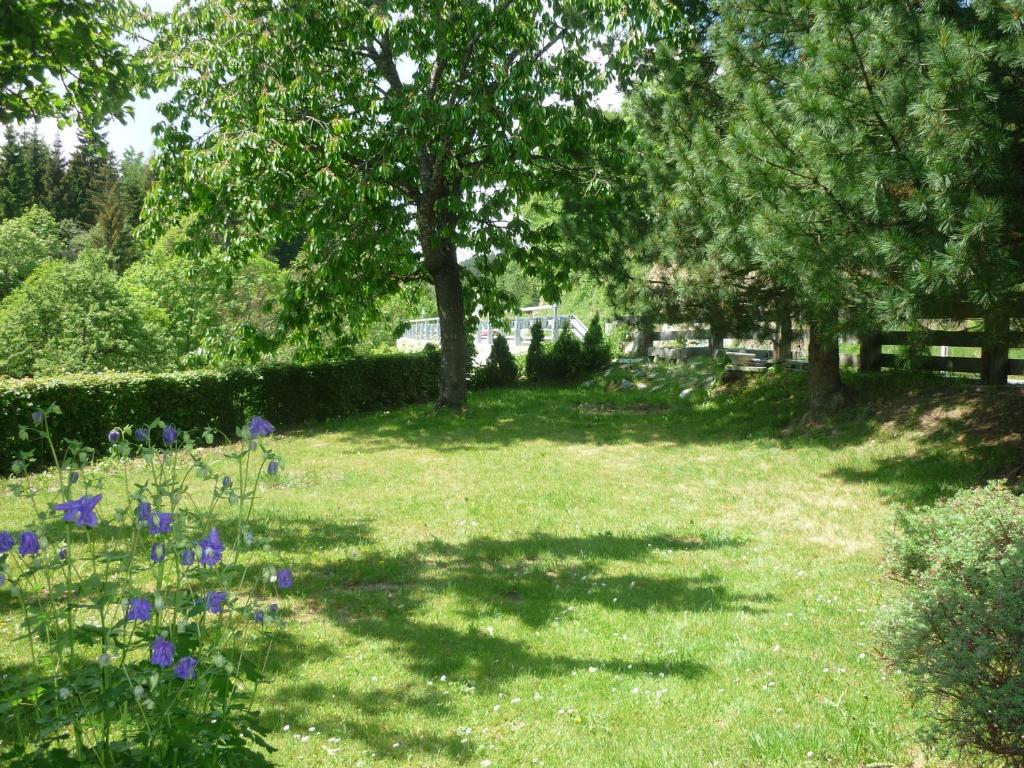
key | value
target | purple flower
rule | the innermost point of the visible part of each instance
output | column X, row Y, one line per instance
column 62, row 554
column 145, row 512
column 142, row 434
column 260, row 427
column 160, row 523
column 215, row 601
column 38, row 417
column 139, row 609
column 157, row 552
column 170, row 434
column 73, row 477
column 284, row 578
column 28, row 543
column 211, row 548
column 258, row 616
column 161, row 652
column 272, row 608
column 185, row 669
column 6, row 542
column 188, row 557
column 226, row 482
column 80, row 511
column 273, row 467
column 114, row 436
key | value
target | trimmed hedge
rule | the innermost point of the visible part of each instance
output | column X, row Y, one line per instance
column 288, row 395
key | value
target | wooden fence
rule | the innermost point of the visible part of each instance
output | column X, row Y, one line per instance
column 994, row 364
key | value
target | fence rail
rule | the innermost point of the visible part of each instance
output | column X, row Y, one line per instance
column 993, row 365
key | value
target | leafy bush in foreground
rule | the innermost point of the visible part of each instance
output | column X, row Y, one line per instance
column 958, row 631
column 148, row 615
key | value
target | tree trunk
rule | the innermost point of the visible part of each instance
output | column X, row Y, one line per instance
column 826, row 393
column 784, row 337
column 451, row 313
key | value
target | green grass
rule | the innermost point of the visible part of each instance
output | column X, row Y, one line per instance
column 579, row 578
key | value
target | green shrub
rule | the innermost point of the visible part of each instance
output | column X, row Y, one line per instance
column 596, row 352
column 566, row 360
column 288, row 395
column 500, row 369
column 535, row 353
column 71, row 317
column 958, row 630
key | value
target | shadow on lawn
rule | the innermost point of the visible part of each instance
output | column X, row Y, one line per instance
column 966, row 434
column 539, row 580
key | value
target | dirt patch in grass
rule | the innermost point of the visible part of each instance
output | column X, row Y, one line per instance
column 605, row 408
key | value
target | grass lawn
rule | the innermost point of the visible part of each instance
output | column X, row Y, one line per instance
column 575, row 578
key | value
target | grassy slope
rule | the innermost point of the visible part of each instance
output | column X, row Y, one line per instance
column 571, row 578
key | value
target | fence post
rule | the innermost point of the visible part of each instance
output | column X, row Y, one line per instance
column 783, row 346
column 870, row 352
column 995, row 351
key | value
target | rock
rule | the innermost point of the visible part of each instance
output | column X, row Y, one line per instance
column 686, row 393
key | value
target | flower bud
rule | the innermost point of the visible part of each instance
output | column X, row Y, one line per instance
column 138, row 691
column 64, row 694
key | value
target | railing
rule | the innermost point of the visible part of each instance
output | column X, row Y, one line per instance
column 516, row 329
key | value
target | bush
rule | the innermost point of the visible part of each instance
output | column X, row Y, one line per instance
column 500, row 369
column 958, row 632
column 25, row 243
column 289, row 395
column 596, row 351
column 149, row 617
column 70, row 317
column 535, row 353
column 566, row 360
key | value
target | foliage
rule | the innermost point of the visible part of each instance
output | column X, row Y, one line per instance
column 500, row 369
column 212, row 311
column 848, row 164
column 596, row 351
column 958, row 628
column 535, row 353
column 74, row 317
column 421, row 125
column 565, row 360
column 148, row 632
column 25, row 243
column 289, row 395
column 72, row 59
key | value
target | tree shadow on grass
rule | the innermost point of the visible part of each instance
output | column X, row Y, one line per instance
column 536, row 580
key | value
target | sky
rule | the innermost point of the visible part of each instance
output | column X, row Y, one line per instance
column 137, row 131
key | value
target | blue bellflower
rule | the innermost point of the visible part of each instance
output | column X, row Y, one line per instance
column 81, row 511
column 161, row 652
column 260, row 427
column 28, row 543
column 6, row 542
column 211, row 549
column 284, row 578
column 139, row 609
column 215, row 601
column 170, row 434
column 185, row 669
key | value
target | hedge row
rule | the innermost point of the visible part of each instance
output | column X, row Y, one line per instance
column 288, row 395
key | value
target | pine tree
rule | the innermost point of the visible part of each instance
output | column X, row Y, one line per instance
column 89, row 175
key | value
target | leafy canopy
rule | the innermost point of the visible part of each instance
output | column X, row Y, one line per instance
column 375, row 131
column 71, row 59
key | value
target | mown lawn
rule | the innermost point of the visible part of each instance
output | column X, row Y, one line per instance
column 574, row 578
